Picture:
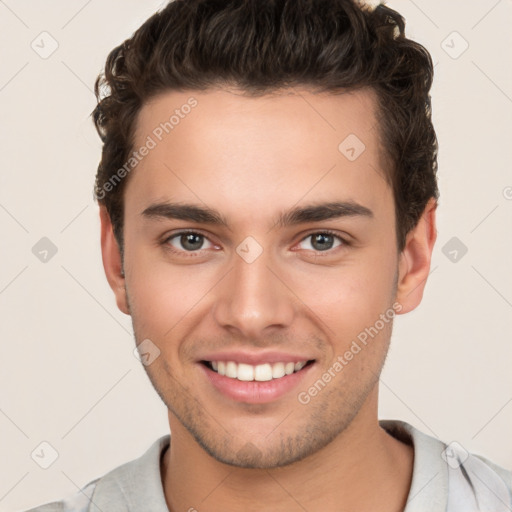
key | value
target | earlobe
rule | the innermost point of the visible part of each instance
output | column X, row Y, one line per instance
column 112, row 262
column 414, row 262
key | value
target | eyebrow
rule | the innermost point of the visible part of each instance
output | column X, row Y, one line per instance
column 297, row 215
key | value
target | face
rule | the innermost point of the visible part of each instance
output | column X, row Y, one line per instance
column 260, row 240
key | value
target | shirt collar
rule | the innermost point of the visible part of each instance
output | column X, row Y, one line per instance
column 139, row 482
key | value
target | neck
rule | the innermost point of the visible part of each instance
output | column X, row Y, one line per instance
column 363, row 468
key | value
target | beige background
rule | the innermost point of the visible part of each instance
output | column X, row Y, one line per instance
column 68, row 374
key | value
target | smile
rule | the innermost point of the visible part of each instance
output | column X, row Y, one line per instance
column 261, row 372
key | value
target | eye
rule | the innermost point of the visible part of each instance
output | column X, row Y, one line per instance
column 187, row 241
column 323, row 241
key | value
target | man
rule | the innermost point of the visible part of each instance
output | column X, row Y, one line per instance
column 267, row 196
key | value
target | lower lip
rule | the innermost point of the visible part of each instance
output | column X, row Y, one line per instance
column 255, row 392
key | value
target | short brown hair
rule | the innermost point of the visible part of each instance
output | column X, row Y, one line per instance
column 261, row 46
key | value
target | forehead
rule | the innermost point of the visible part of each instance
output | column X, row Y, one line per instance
column 243, row 154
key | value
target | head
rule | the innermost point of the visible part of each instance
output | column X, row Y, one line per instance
column 230, row 123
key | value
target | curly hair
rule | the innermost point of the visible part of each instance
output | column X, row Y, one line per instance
column 260, row 46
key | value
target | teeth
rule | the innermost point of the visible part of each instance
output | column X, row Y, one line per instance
column 245, row 372
column 278, row 370
column 231, row 369
column 263, row 372
column 260, row 372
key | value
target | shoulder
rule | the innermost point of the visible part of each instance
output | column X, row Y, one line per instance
column 504, row 474
column 450, row 476
column 476, row 483
column 78, row 502
column 131, row 486
column 489, row 480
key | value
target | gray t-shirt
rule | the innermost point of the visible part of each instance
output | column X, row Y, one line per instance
column 445, row 479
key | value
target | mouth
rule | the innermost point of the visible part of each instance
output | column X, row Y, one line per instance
column 265, row 382
column 259, row 373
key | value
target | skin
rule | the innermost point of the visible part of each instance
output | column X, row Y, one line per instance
column 251, row 159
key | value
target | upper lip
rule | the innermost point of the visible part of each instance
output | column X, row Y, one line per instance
column 256, row 358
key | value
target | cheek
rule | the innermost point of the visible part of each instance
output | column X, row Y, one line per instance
column 164, row 295
column 350, row 298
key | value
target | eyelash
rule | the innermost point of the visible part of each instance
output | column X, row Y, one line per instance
column 165, row 242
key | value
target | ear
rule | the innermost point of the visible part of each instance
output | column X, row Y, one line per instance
column 112, row 262
column 414, row 260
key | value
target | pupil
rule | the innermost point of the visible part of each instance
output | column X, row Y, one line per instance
column 321, row 238
column 188, row 241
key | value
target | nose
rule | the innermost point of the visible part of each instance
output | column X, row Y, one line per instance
column 254, row 299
